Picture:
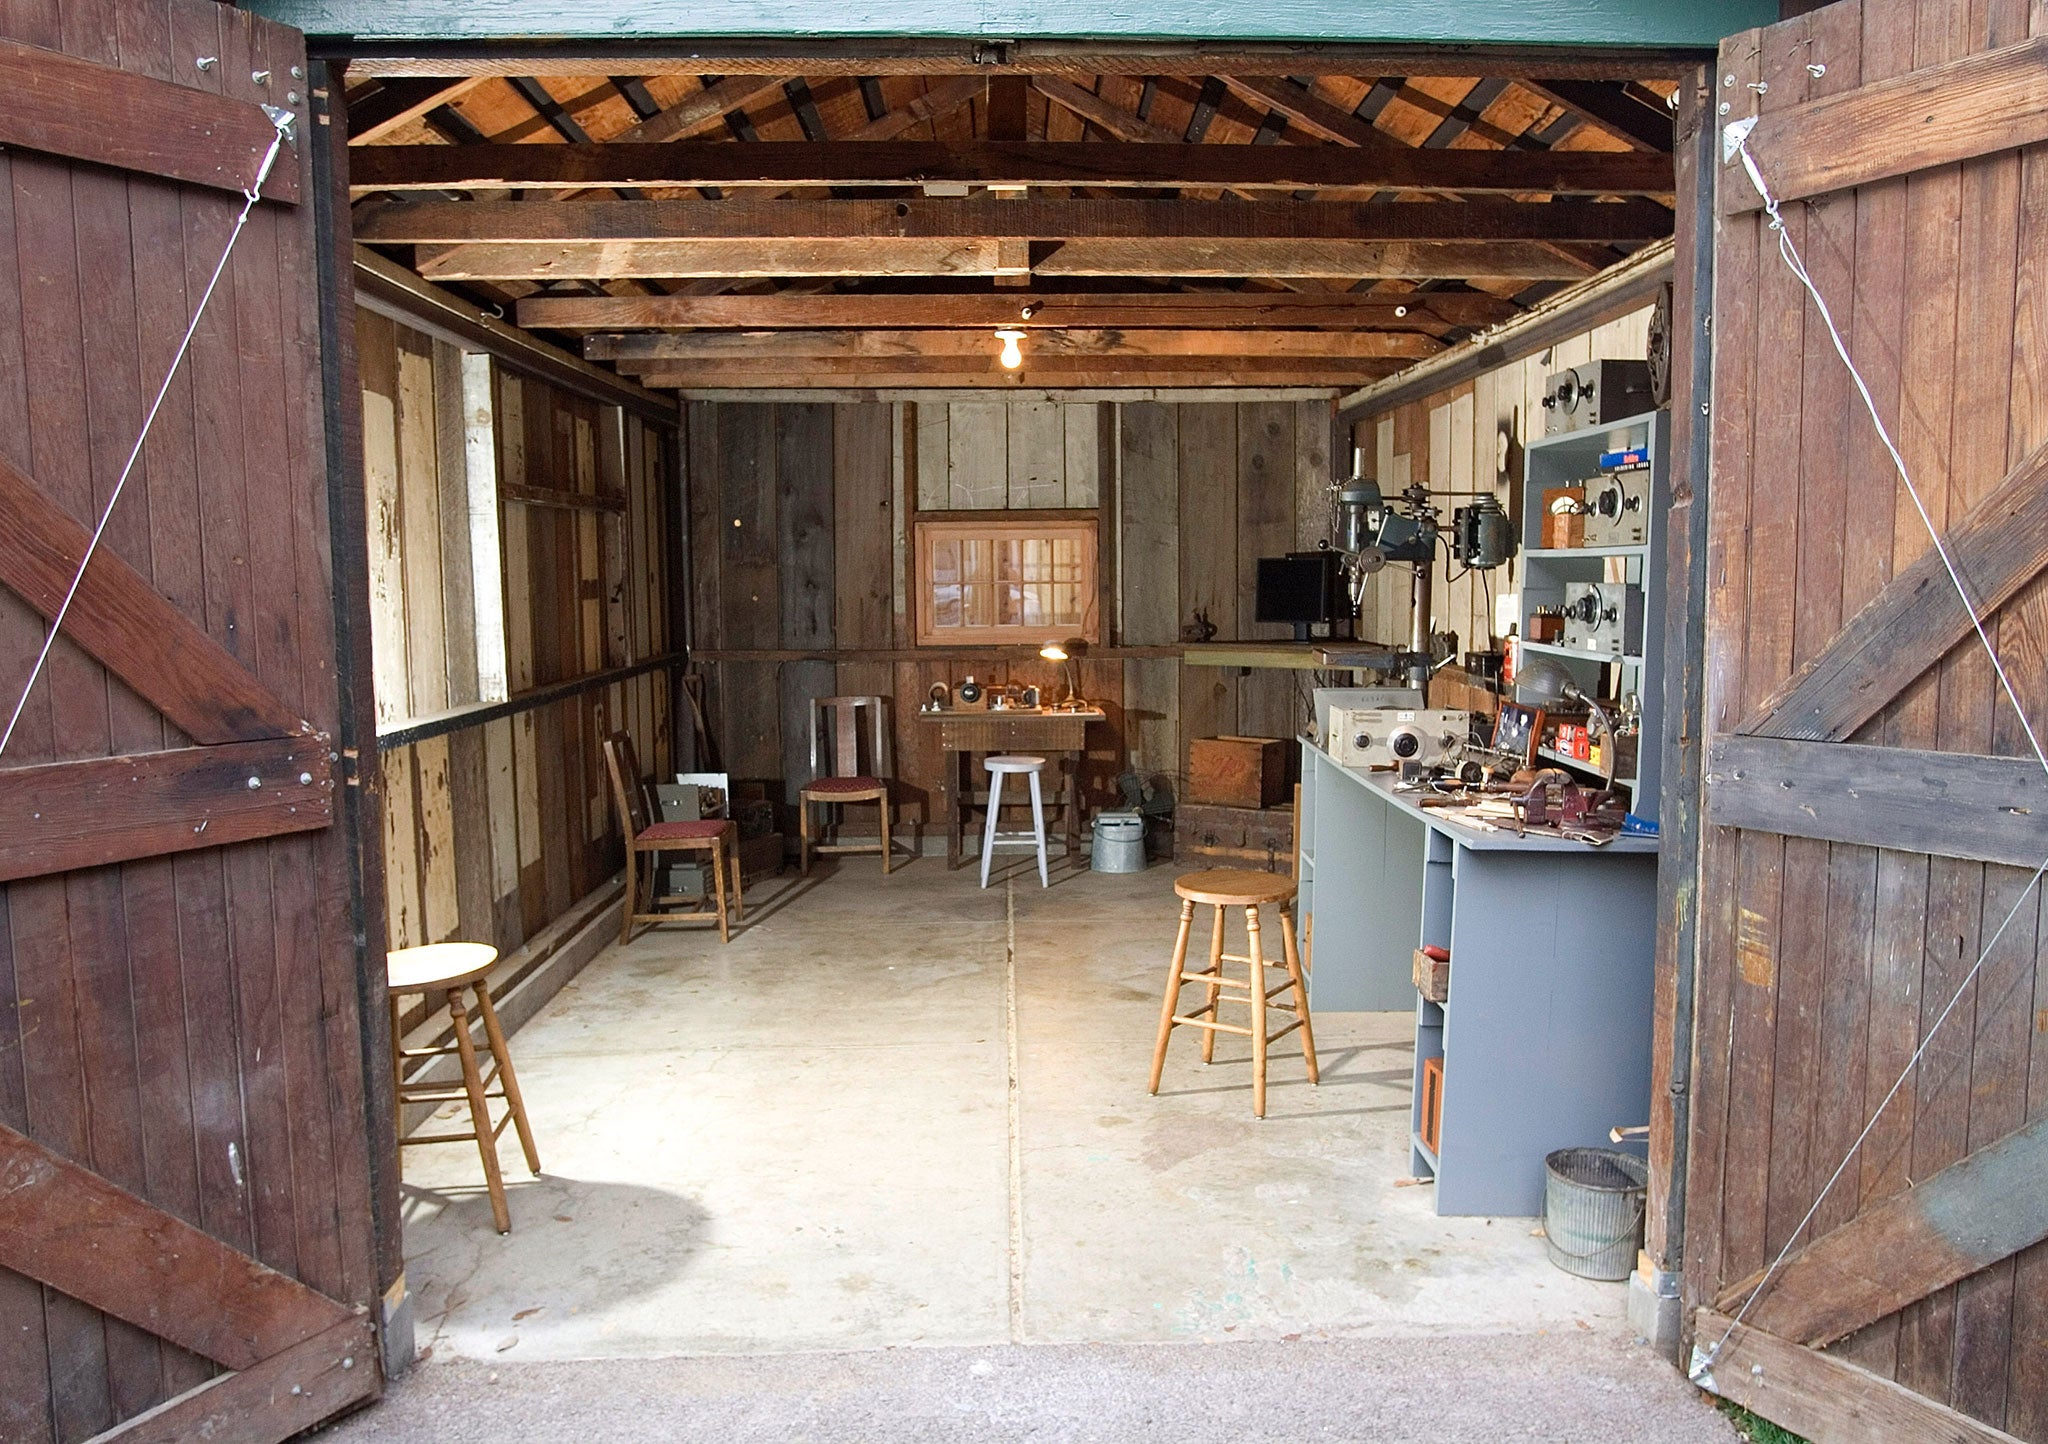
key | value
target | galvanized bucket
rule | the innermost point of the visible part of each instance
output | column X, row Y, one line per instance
column 1119, row 843
column 1593, row 1211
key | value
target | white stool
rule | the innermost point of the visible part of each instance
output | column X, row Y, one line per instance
column 1030, row 767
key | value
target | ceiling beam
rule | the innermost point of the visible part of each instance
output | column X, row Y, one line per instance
column 1112, row 119
column 799, row 375
column 1309, row 346
column 799, row 163
column 856, row 56
column 1610, row 110
column 1036, row 218
column 699, row 111
column 376, row 111
column 1311, row 112
column 981, row 312
column 769, row 258
column 942, row 99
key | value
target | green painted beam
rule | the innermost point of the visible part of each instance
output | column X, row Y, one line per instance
column 1548, row 23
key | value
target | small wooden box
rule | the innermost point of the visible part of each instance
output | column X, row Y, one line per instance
column 1432, row 976
column 1237, row 771
column 1432, row 1129
column 1569, row 529
column 1263, row 837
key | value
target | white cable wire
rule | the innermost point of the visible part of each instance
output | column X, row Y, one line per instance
column 282, row 121
column 1703, row 1363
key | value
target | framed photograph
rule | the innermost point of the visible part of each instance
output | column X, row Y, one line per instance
column 1517, row 730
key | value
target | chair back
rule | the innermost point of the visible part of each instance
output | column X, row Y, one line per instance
column 629, row 788
column 836, row 740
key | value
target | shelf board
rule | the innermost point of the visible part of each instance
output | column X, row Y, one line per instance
column 1578, row 654
column 1567, row 553
column 1429, row 1154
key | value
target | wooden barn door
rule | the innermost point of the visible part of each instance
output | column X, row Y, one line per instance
column 185, row 1236
column 1874, row 809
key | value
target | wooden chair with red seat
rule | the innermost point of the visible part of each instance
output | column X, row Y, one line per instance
column 718, row 837
column 851, row 777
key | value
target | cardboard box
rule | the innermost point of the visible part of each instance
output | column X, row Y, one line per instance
column 1237, row 771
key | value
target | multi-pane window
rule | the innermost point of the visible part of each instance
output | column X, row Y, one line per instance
column 1005, row 581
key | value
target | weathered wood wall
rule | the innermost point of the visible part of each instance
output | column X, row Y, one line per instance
column 1451, row 442
column 496, row 828
column 1823, row 964
column 185, row 1026
column 799, row 516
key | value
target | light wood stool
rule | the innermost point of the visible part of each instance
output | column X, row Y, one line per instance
column 444, row 970
column 1223, row 888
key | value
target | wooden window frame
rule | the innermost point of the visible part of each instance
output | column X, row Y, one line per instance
column 1080, row 527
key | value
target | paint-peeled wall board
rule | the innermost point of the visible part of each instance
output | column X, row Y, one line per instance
column 592, row 591
column 439, row 907
column 469, row 803
column 500, row 814
column 557, row 840
column 932, row 454
column 378, row 364
column 1314, row 425
column 703, row 489
column 749, row 579
column 518, row 572
column 420, row 526
column 486, row 547
column 977, row 455
column 750, row 720
column 1152, row 715
column 1148, row 505
column 803, row 517
column 863, row 524
column 1208, row 559
column 451, row 468
column 1037, row 455
column 1082, row 425
column 406, row 928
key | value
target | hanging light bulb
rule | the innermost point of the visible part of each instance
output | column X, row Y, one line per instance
column 1013, row 350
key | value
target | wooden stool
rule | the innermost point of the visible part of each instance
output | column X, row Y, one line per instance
column 1223, row 888
column 445, row 969
column 998, row 768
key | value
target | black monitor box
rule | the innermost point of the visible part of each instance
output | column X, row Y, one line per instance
column 1302, row 588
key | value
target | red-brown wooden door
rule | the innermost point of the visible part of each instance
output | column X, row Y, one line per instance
column 1873, row 807
column 185, row 1217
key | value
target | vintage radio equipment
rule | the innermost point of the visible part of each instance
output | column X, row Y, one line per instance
column 1617, row 509
column 1389, row 737
column 970, row 696
column 1329, row 700
column 1595, row 394
column 1604, row 617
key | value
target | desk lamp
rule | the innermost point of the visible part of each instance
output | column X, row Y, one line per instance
column 1544, row 681
column 1063, row 653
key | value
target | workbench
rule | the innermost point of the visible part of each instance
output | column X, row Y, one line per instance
column 1545, row 1038
column 1060, row 736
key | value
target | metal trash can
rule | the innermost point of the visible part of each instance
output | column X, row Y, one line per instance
column 1119, row 843
column 1593, row 1211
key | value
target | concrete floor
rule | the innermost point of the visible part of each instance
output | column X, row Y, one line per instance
column 912, row 1112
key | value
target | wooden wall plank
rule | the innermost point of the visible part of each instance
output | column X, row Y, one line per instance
column 1037, row 455
column 863, row 519
column 933, row 455
column 1208, row 559
column 750, row 591
column 803, row 503
column 1081, row 423
column 977, row 453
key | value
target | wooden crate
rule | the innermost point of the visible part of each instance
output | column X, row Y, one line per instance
column 1433, row 1105
column 1237, row 771
column 1263, row 836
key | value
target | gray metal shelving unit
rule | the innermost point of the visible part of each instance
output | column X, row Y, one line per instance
column 1567, row 460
